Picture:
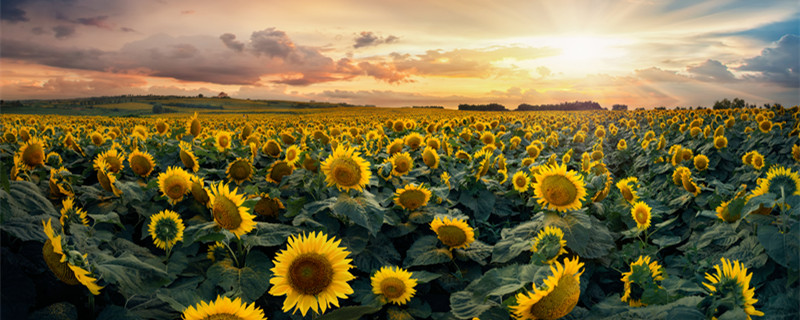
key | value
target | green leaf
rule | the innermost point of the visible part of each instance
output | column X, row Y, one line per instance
column 132, row 275
column 784, row 248
column 477, row 251
column 350, row 312
column 587, row 236
column 425, row 252
column 111, row 217
column 270, row 234
column 465, row 305
column 362, row 210
column 249, row 282
column 425, row 276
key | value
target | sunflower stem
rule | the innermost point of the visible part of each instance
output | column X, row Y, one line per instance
column 233, row 254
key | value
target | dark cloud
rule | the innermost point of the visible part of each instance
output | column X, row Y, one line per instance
column 98, row 21
column 10, row 11
column 38, row 31
column 86, row 59
column 271, row 42
column 63, row 31
column 711, row 71
column 780, row 65
column 367, row 38
column 229, row 40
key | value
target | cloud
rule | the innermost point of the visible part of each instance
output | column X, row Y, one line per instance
column 11, row 12
column 543, row 71
column 468, row 63
column 98, row 21
column 229, row 40
column 779, row 64
column 63, row 31
column 654, row 74
column 368, row 38
column 126, row 29
column 711, row 71
column 271, row 42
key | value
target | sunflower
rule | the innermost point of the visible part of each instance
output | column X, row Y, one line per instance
column 59, row 186
column 412, row 197
column 689, row 184
column 430, row 157
column 700, row 162
column 394, row 285
column 720, row 142
column 312, row 272
column 549, row 244
column 69, row 142
column 603, row 193
column 724, row 214
column 779, row 181
column 622, row 145
column 174, row 183
column 346, row 169
column 395, row 147
column 445, row 177
column 278, row 170
column 765, row 126
column 272, row 148
column 97, row 138
column 188, row 158
column 634, row 285
column 521, row 181
column 114, row 159
column 293, row 155
column 453, row 233
column 141, row 163
column 732, row 280
column 217, row 251
column 677, row 175
column 53, row 159
column 556, row 297
column 222, row 140
column 626, row 188
column 162, row 126
column 310, row 163
column 223, row 309
column 641, row 214
column 413, row 140
column 104, row 177
column 166, row 229
column 239, row 170
column 487, row 137
column 268, row 206
column 228, row 210
column 72, row 214
column 796, row 152
column 198, row 189
column 32, row 153
column 559, row 189
column 193, row 126
column 533, row 151
column 60, row 261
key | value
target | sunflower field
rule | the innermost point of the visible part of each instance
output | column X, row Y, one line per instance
column 365, row 213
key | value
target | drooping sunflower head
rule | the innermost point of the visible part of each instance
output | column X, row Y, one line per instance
column 32, row 153
column 603, row 193
column 677, row 175
column 394, row 285
column 223, row 140
column 549, row 244
column 689, row 185
column 240, row 170
column 700, row 162
column 217, row 252
column 454, row 233
column 113, row 158
column 162, row 126
column 59, row 185
column 278, row 170
column 732, row 280
column 554, row 298
column 188, row 158
column 627, row 189
column 268, row 206
column 229, row 211
column 174, row 184
column 312, row 272
column 104, row 177
column 72, row 214
column 779, row 181
column 346, row 169
column 141, row 163
column 642, row 274
column 641, row 214
column 796, row 153
column 198, row 190
column 193, row 126
column 412, row 197
column 62, row 266
column 223, row 308
column 395, row 147
column 724, row 214
column 166, row 229
column 272, row 148
column 556, row 188
column 413, row 140
column 430, row 157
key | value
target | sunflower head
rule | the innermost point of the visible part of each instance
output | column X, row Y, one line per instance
column 689, row 185
column 217, row 252
column 796, row 153
column 198, row 190
column 430, row 157
column 395, row 147
column 626, row 188
column 757, row 161
column 413, row 140
column 312, row 272
column 278, row 170
column 412, row 197
column 765, row 126
column 240, row 170
column 643, row 275
column 166, row 229
column 622, row 145
column 193, row 126
column 228, row 210
column 268, row 206
column 700, row 162
column 293, row 155
column 394, row 285
column 59, row 185
column 188, row 158
column 53, row 254
column 141, row 163
column 732, row 280
column 97, row 138
column 548, row 245
column 104, row 177
column 223, row 308
column 32, row 153
column 53, row 159
column 113, row 158
column 454, row 233
column 161, row 126
column 779, row 181
column 521, row 181
column 724, row 214
column 72, row 214
column 272, row 148
column 346, row 169
column 174, row 184
column 641, row 214
column 223, row 140
column 554, row 298
column 556, row 188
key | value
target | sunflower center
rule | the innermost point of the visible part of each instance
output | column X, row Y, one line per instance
column 412, row 199
column 310, row 273
column 414, row 142
column 224, row 141
column 175, row 187
column 273, row 149
column 451, row 236
column 33, row 155
column 429, row 158
column 222, row 316
column 161, row 127
column 226, row 213
column 560, row 301
column 140, row 165
column 641, row 215
column 291, row 154
column 393, row 288
column 559, row 190
column 401, row 165
column 280, row 170
column 240, row 170
column 520, row 182
column 267, row 207
column 60, row 269
column 395, row 148
column 114, row 163
column 346, row 172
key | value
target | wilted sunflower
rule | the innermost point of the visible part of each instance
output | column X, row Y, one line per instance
column 166, row 229
column 59, row 186
column 779, row 181
column 412, row 197
column 193, row 126
column 239, row 170
column 223, row 140
column 559, row 189
column 268, row 206
column 72, row 214
column 732, row 280
column 346, row 169
column 188, row 158
column 174, row 183
column 521, row 181
column 312, row 272
column 223, row 309
column 58, row 262
column 32, row 153
column 293, row 155
column 113, row 158
column 549, row 244
column 394, row 285
column 641, row 214
column 634, row 286
column 556, row 297
column 228, row 210
column 700, row 162
column 454, row 233
column 278, row 170
column 413, row 140
column 141, row 163
column 104, row 177
column 430, row 157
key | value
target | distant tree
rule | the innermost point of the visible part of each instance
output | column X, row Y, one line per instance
column 564, row 106
column 619, row 107
column 738, row 103
column 158, row 108
column 661, row 108
column 200, row 95
column 724, row 104
column 482, row 107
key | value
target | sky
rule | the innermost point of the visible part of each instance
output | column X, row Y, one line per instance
column 643, row 53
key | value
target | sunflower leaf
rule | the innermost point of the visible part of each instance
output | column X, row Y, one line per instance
column 425, row 252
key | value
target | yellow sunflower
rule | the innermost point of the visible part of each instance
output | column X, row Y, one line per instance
column 603, row 193
column 724, row 214
column 533, row 151
column 310, row 163
column 223, row 140
column 641, row 214
column 223, row 308
column 700, row 162
column 217, row 251
column 430, row 157
column 53, row 159
column 757, row 161
column 677, row 175
column 521, row 181
column 32, row 153
column 796, row 153
column 394, row 285
column 556, row 297
column 188, row 158
column 689, row 184
column 174, row 183
column 720, row 142
column 272, row 148
column 312, row 272
column 104, row 177
column 732, row 280
column 228, row 210
column 59, row 185
column 402, row 163
column 454, row 233
column 193, row 126
column 293, row 155
column 346, row 169
column 114, row 159
column 268, row 206
column 198, row 190
column 412, row 197
column 626, row 188
column 445, row 177
column 278, row 170
column 622, row 145
column 559, row 189
column 632, row 285
column 779, row 181
column 166, row 229
column 239, row 170
column 72, row 214
column 413, row 140
column 61, row 265
column 162, row 126
column 395, row 147
column 141, row 163
column 549, row 244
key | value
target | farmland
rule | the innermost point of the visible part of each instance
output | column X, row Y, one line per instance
column 269, row 210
